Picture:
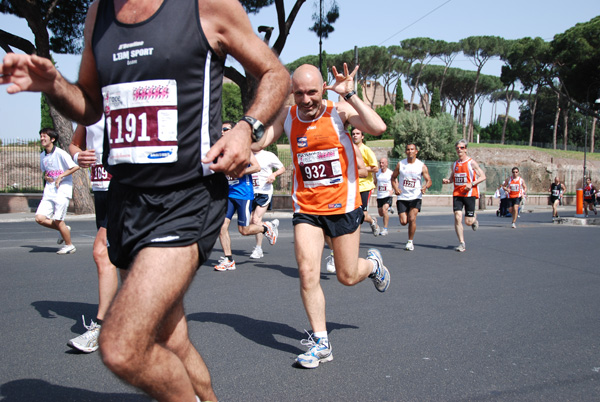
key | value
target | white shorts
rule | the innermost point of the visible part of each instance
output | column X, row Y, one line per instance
column 54, row 209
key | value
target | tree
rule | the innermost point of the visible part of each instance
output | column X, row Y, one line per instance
column 324, row 25
column 399, row 103
column 436, row 107
column 480, row 49
column 435, row 137
column 577, row 61
column 231, row 104
column 417, row 50
column 65, row 20
column 246, row 82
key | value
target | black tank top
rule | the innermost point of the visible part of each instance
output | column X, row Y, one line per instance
column 161, row 83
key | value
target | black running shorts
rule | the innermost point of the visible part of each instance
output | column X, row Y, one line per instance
column 333, row 225
column 467, row 202
column 176, row 216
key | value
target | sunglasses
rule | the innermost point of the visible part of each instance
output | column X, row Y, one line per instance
column 460, row 147
column 225, row 129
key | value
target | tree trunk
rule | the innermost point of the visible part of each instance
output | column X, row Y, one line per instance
column 82, row 197
column 555, row 130
column 594, row 120
column 565, row 128
column 532, row 124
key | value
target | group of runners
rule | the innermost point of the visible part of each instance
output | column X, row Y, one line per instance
column 168, row 158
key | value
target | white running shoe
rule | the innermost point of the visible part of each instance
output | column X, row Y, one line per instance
column 374, row 227
column 381, row 276
column 409, row 246
column 225, row 265
column 257, row 253
column 475, row 226
column 272, row 231
column 461, row 248
column 88, row 341
column 384, row 232
column 318, row 351
column 330, row 264
column 513, row 226
column 60, row 239
column 70, row 249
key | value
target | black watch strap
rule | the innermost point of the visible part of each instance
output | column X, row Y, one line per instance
column 349, row 95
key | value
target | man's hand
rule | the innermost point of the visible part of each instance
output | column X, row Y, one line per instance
column 344, row 83
column 231, row 154
column 27, row 73
column 86, row 158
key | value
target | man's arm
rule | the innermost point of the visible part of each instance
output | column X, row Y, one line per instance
column 354, row 110
column 395, row 184
column 77, row 148
column 81, row 102
column 228, row 31
column 360, row 163
column 253, row 168
column 427, row 178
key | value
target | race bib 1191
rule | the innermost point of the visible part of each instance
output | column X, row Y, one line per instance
column 141, row 119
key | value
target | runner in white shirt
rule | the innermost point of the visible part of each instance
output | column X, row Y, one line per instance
column 410, row 181
column 385, row 193
column 57, row 167
column 263, row 191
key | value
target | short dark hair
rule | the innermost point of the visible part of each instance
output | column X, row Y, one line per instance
column 50, row 133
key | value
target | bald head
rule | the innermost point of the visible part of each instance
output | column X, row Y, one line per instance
column 307, row 87
column 307, row 73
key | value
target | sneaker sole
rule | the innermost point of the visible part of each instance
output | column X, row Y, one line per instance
column 315, row 364
column 82, row 348
column 68, row 252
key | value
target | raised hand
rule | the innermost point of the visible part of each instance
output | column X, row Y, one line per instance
column 344, row 83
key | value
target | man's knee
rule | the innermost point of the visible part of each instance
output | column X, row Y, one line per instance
column 40, row 219
column 118, row 355
column 347, row 278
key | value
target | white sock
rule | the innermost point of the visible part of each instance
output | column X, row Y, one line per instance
column 321, row 335
column 410, row 241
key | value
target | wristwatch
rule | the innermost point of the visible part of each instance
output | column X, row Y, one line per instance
column 258, row 129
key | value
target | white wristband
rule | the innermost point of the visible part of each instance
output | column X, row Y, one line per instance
column 75, row 157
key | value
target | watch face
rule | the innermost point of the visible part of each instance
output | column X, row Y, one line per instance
column 258, row 130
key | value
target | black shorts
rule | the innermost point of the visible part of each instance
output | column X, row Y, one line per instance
column 554, row 199
column 261, row 200
column 405, row 205
column 101, row 203
column 364, row 197
column 175, row 216
column 467, row 202
column 333, row 225
column 387, row 200
column 514, row 201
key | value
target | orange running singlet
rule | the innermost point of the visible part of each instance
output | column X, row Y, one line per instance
column 515, row 187
column 463, row 174
column 325, row 170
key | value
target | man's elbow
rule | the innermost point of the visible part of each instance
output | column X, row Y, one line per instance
column 379, row 129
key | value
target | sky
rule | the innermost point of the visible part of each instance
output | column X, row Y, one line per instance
column 361, row 23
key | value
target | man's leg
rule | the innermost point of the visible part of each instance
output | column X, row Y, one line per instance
column 458, row 226
column 224, row 237
column 108, row 281
column 350, row 269
column 412, row 223
column 386, row 215
column 143, row 337
column 308, row 245
column 257, row 217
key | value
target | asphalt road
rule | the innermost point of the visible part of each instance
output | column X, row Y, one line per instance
column 515, row 318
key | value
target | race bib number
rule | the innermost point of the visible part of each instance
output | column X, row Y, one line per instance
column 382, row 188
column 587, row 193
column 460, row 178
column 514, row 187
column 555, row 193
column 98, row 173
column 255, row 181
column 320, row 168
column 410, row 183
column 141, row 119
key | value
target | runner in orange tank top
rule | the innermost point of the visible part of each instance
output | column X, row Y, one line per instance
column 516, row 189
column 466, row 175
column 325, row 192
